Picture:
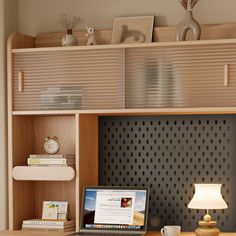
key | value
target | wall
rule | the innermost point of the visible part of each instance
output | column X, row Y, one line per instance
column 42, row 16
column 8, row 23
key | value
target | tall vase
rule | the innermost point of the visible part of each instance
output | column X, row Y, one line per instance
column 69, row 39
column 188, row 23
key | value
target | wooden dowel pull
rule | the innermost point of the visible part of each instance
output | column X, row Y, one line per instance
column 226, row 79
column 20, row 81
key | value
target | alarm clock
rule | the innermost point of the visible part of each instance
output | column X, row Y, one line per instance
column 51, row 145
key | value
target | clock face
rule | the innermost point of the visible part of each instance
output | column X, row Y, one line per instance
column 51, row 146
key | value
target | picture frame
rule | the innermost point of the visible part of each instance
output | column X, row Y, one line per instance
column 138, row 29
column 55, row 210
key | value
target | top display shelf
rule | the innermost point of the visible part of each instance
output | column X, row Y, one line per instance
column 126, row 46
column 162, row 37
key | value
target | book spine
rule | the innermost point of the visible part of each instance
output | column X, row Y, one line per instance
column 46, row 222
column 44, row 226
column 41, row 161
column 47, row 165
column 46, row 156
column 48, row 229
column 36, row 223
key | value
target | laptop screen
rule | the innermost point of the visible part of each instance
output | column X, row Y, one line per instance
column 113, row 208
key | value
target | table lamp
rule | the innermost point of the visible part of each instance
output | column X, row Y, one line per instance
column 207, row 196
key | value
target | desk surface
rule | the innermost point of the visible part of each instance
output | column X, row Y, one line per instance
column 44, row 233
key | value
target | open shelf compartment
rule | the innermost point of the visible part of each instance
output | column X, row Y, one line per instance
column 37, row 184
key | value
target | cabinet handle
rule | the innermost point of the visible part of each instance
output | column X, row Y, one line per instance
column 20, row 81
column 226, row 79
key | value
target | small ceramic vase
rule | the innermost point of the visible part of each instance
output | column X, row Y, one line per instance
column 188, row 23
column 69, row 39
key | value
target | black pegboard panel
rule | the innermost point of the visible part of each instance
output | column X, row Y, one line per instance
column 169, row 154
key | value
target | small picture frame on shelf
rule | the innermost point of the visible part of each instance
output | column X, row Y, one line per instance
column 54, row 210
column 137, row 29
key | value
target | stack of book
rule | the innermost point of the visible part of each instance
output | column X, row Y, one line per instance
column 48, row 225
column 51, row 160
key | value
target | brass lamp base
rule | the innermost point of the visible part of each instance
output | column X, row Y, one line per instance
column 207, row 228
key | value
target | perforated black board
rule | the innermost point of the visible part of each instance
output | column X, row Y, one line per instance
column 169, row 154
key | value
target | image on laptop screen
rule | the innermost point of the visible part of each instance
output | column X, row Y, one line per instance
column 115, row 209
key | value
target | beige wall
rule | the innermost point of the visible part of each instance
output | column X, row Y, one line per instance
column 8, row 23
column 41, row 15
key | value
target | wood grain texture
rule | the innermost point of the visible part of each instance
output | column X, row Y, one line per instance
column 30, row 173
column 62, row 127
column 29, row 133
column 22, row 145
column 183, row 66
column 77, row 178
column 99, row 75
column 23, row 203
column 125, row 46
column 161, row 34
column 88, row 153
column 15, row 41
column 54, row 191
column 78, row 130
column 31, row 233
column 144, row 111
column 23, row 139
column 40, row 233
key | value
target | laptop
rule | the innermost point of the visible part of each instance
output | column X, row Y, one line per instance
column 114, row 210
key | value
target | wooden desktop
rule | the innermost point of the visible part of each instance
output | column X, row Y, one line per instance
column 44, row 233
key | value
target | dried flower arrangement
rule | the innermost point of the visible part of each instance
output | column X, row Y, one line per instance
column 69, row 23
column 191, row 3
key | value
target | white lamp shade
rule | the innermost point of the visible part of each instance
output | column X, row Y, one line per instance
column 207, row 196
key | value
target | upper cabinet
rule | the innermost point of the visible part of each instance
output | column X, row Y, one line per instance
column 192, row 75
column 68, row 80
column 154, row 75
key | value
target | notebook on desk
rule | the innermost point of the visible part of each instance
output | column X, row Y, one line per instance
column 114, row 210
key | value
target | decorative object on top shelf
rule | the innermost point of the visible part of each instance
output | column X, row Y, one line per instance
column 207, row 196
column 132, row 29
column 51, row 145
column 91, row 35
column 69, row 24
column 188, row 23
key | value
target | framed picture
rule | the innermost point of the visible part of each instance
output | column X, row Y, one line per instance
column 132, row 29
column 54, row 210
